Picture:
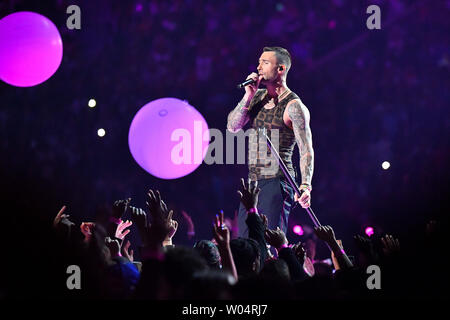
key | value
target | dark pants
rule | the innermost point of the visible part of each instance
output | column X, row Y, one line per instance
column 275, row 201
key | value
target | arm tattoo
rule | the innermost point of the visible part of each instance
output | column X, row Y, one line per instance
column 299, row 116
column 239, row 116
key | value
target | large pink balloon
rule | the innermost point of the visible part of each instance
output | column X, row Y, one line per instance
column 168, row 138
column 31, row 49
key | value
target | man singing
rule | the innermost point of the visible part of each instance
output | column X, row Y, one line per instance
column 275, row 108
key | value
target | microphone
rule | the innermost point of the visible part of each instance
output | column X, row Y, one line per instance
column 246, row 83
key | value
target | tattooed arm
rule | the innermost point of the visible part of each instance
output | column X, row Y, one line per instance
column 299, row 115
column 238, row 118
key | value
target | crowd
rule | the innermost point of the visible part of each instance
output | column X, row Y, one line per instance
column 264, row 266
column 383, row 97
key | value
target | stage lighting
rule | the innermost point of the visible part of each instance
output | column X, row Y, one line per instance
column 369, row 231
column 298, row 230
column 385, row 165
column 101, row 132
column 92, row 103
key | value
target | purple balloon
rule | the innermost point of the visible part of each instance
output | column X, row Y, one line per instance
column 31, row 49
column 168, row 138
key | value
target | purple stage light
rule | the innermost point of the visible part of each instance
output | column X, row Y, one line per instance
column 138, row 7
column 31, row 49
column 168, row 138
column 298, row 230
column 369, row 231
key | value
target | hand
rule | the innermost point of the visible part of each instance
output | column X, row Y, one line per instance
column 391, row 246
column 251, row 89
column 120, row 231
column 220, row 232
column 86, row 229
column 173, row 226
column 120, row 207
column 62, row 218
column 249, row 194
column 325, row 233
column 113, row 246
column 139, row 217
column 129, row 254
column 299, row 251
column 157, row 208
column 305, row 198
column 276, row 238
column 265, row 221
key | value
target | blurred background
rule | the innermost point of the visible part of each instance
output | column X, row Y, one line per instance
column 373, row 95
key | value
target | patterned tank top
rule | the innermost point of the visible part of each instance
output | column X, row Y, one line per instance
column 261, row 164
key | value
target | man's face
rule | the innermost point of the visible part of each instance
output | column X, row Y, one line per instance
column 268, row 67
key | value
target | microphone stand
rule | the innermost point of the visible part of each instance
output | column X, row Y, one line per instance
column 289, row 177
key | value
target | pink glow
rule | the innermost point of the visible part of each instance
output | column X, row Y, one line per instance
column 298, row 230
column 332, row 24
column 369, row 231
column 151, row 142
column 31, row 49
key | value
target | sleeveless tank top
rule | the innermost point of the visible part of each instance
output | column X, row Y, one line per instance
column 261, row 164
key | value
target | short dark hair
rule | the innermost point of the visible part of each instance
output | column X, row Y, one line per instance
column 283, row 56
column 245, row 252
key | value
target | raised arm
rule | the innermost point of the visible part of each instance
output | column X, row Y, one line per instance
column 239, row 117
column 299, row 116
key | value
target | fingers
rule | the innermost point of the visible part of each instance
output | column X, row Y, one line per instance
column 240, row 195
column 243, row 184
column 127, row 245
column 61, row 211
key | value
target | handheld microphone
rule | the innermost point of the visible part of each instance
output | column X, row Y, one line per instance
column 246, row 83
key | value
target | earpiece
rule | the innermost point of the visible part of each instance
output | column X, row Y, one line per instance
column 281, row 68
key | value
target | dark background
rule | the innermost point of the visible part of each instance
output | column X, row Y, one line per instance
column 374, row 96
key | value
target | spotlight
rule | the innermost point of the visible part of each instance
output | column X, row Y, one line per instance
column 298, row 230
column 101, row 132
column 369, row 231
column 385, row 165
column 92, row 103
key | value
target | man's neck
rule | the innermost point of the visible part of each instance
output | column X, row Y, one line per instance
column 274, row 90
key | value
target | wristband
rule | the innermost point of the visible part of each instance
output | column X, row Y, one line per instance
column 252, row 210
column 305, row 186
column 115, row 220
column 283, row 246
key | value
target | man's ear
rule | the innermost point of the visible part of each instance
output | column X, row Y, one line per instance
column 282, row 67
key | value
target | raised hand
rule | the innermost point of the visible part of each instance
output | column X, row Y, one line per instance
column 276, row 238
column 122, row 230
column 120, row 207
column 173, row 227
column 325, row 233
column 265, row 221
column 391, row 246
column 113, row 246
column 249, row 194
column 139, row 217
column 86, row 229
column 299, row 251
column 129, row 254
column 157, row 208
column 62, row 218
column 220, row 231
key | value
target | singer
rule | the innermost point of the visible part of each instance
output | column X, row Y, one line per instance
column 275, row 107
